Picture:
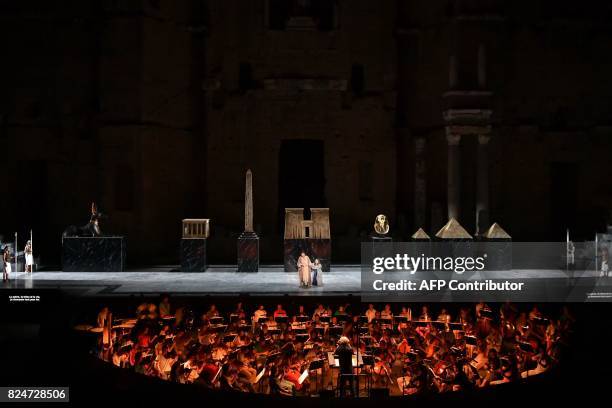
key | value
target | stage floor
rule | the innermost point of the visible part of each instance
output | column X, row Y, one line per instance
column 221, row 280
column 217, row 280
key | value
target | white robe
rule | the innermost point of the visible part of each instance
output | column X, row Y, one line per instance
column 303, row 265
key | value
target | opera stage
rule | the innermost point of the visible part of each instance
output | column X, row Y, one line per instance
column 217, row 280
column 223, row 280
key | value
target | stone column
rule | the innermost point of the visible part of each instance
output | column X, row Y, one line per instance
column 454, row 176
column 420, row 183
column 482, row 185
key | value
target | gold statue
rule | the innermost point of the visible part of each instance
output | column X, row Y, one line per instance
column 381, row 226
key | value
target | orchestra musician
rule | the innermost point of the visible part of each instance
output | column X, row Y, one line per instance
column 6, row 263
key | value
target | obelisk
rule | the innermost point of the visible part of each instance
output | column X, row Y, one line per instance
column 248, row 202
column 248, row 241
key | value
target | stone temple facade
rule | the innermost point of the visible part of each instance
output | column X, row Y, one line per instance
column 483, row 110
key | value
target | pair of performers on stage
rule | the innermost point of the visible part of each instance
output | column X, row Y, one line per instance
column 7, row 258
column 309, row 273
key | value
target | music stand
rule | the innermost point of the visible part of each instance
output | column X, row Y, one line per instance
column 272, row 358
column 218, row 329
column 325, row 319
column 216, row 320
column 368, row 360
column 343, row 318
column 274, row 331
column 300, row 331
column 228, row 338
column 439, row 325
column 526, row 347
column 281, row 319
column 543, row 321
column 303, row 318
column 456, row 326
column 471, row 340
column 336, row 330
column 314, row 366
column 487, row 314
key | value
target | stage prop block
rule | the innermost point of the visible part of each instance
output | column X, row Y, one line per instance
column 193, row 255
column 311, row 236
column 248, row 241
column 248, row 252
column 193, row 245
column 93, row 254
column 496, row 243
column 196, row 228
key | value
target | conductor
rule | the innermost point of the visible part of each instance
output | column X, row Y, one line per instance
column 344, row 351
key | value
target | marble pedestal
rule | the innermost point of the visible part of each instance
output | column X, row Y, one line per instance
column 383, row 251
column 380, row 238
column 193, row 255
column 248, row 252
column 497, row 252
column 93, row 254
column 314, row 248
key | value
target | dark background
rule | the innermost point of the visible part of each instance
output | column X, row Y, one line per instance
column 155, row 108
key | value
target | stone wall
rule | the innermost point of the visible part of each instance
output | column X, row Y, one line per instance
column 300, row 89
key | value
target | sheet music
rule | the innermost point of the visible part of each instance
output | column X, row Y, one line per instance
column 303, row 376
column 261, row 374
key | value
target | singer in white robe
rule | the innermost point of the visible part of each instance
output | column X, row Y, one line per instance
column 29, row 256
column 303, row 265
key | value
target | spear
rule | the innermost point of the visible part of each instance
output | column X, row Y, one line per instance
column 16, row 255
column 32, row 250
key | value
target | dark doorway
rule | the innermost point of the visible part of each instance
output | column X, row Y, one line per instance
column 301, row 177
column 563, row 198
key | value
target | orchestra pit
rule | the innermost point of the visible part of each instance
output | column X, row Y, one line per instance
column 278, row 347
